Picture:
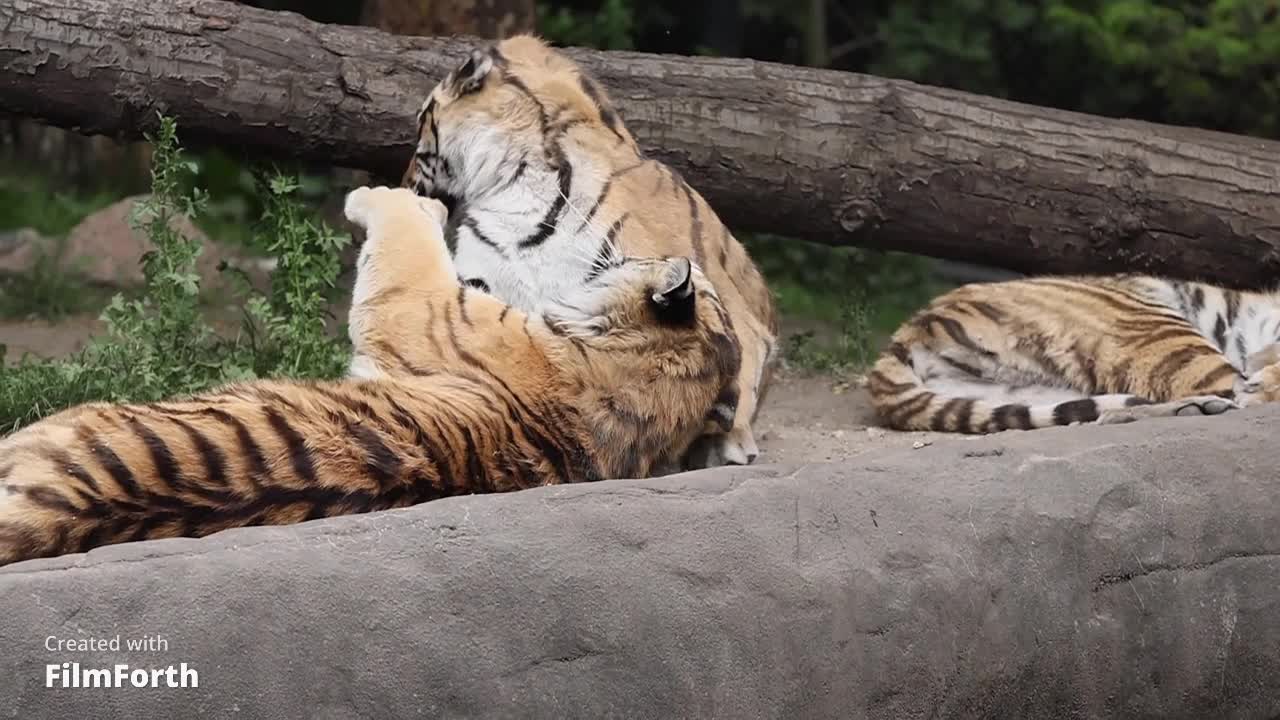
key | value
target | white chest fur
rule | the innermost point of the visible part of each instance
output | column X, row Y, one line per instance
column 495, row 237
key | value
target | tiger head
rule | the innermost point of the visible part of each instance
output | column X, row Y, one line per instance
column 658, row 347
column 503, row 113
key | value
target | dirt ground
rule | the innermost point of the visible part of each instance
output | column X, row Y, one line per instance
column 806, row 417
column 810, row 417
column 43, row 339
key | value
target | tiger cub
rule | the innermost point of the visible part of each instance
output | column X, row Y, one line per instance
column 545, row 185
column 455, row 392
column 1050, row 351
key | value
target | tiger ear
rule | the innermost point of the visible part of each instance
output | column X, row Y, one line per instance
column 674, row 299
column 470, row 77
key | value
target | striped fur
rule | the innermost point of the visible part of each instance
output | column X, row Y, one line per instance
column 545, row 183
column 1063, row 350
column 452, row 392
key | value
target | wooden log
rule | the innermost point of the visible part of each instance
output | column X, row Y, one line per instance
column 834, row 157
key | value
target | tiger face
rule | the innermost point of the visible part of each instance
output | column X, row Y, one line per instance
column 495, row 118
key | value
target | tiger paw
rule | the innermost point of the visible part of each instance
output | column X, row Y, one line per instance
column 360, row 206
column 365, row 206
column 1204, row 405
column 738, row 447
column 434, row 208
column 1196, row 406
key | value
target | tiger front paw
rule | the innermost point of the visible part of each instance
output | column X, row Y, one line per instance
column 1196, row 406
column 367, row 206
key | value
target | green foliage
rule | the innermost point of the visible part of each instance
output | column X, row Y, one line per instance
column 237, row 197
column 164, row 329
column 611, row 27
column 848, row 343
column 841, row 302
column 292, row 321
column 951, row 44
column 1208, row 63
column 160, row 345
column 28, row 200
column 1211, row 64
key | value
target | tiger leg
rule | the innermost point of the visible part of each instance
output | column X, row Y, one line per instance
column 1206, row 384
column 403, row 268
column 413, row 316
column 737, row 445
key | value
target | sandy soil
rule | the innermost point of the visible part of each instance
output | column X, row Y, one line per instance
column 38, row 337
column 806, row 417
column 810, row 417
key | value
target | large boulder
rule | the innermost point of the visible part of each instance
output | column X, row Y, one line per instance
column 106, row 249
column 1129, row 571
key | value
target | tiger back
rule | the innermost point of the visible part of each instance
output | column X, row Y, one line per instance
column 1048, row 351
column 453, row 392
column 545, row 184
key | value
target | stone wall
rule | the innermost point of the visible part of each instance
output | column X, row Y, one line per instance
column 1126, row 571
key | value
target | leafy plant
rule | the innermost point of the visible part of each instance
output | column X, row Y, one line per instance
column 293, row 340
column 160, row 345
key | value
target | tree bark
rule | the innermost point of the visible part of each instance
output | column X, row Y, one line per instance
column 828, row 156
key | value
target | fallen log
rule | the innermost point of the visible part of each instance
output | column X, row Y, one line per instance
column 1122, row 571
column 834, row 157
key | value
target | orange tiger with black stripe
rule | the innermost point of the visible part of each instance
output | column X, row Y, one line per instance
column 1051, row 351
column 545, row 182
column 453, row 392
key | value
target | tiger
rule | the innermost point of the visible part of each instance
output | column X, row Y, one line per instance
column 1061, row 350
column 449, row 391
column 545, row 184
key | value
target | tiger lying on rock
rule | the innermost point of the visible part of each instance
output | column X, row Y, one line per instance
column 1051, row 351
column 545, row 183
column 452, row 392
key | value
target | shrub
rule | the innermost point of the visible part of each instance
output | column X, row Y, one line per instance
column 159, row 344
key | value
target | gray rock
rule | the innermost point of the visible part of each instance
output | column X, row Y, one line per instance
column 105, row 249
column 1082, row 572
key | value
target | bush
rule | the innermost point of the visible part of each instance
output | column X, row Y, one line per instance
column 160, row 345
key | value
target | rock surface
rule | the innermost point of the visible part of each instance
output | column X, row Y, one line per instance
column 1126, row 571
column 106, row 249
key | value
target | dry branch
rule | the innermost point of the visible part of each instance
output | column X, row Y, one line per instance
column 829, row 156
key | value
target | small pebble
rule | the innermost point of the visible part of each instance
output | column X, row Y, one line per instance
column 837, row 434
column 921, row 443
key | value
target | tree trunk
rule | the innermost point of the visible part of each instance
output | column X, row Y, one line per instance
column 829, row 156
column 480, row 18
